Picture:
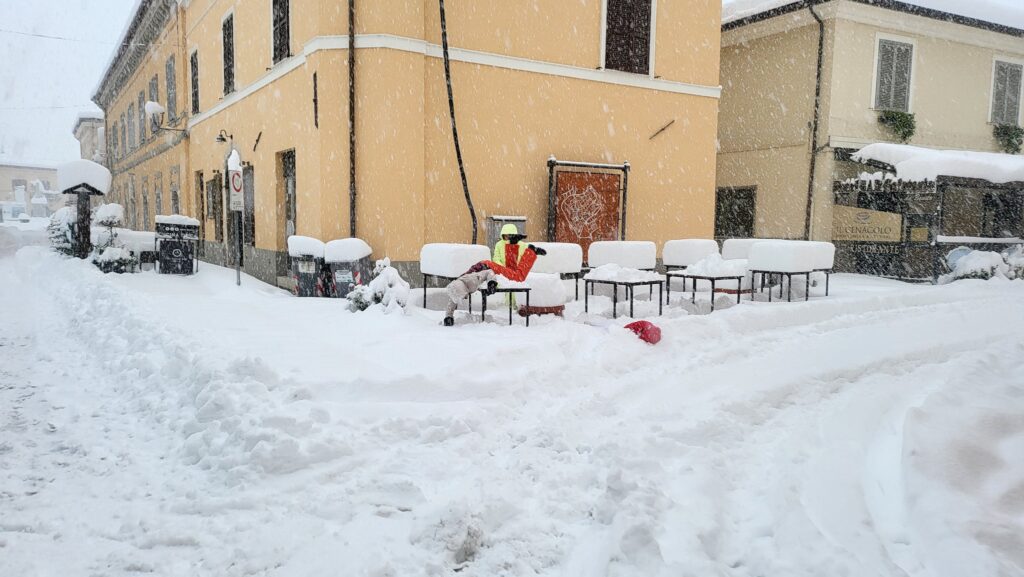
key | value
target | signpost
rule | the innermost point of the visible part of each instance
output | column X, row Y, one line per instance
column 236, row 202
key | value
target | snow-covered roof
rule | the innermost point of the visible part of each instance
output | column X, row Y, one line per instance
column 915, row 163
column 71, row 174
column 998, row 13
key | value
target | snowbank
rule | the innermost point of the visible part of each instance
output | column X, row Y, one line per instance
column 685, row 252
column 714, row 265
column 977, row 264
column 915, row 163
column 562, row 258
column 71, row 174
column 614, row 272
column 177, row 219
column 346, row 250
column 625, row 253
column 450, row 259
column 305, row 246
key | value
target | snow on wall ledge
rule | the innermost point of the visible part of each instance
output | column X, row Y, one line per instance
column 916, row 164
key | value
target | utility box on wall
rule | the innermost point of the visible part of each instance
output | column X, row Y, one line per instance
column 494, row 224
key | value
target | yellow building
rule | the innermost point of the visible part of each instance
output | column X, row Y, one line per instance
column 603, row 81
column 780, row 155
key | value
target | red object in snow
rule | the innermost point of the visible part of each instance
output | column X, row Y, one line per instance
column 647, row 331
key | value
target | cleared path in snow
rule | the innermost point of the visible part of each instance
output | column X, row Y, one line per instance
column 874, row 433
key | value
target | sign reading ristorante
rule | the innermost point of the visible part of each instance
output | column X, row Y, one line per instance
column 850, row 223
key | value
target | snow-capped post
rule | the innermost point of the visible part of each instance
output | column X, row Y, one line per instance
column 84, row 178
column 235, row 204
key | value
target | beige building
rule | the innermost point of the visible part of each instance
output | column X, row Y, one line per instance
column 20, row 183
column 606, row 81
column 90, row 132
column 779, row 156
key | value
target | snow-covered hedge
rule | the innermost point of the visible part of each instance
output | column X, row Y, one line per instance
column 387, row 289
column 978, row 264
column 59, row 229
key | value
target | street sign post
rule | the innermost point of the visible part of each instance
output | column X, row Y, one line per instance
column 236, row 200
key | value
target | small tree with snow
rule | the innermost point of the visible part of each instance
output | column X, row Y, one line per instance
column 387, row 288
column 110, row 256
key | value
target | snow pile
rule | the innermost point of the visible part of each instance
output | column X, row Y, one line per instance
column 739, row 248
column 110, row 214
column 916, row 164
column 977, row 264
column 176, row 219
column 546, row 289
column 135, row 241
column 451, row 260
column 790, row 256
column 625, row 253
column 71, row 174
column 113, row 254
column 347, row 250
column 387, row 289
column 1014, row 258
column 305, row 246
column 714, row 265
column 614, row 272
column 685, row 252
column 562, row 258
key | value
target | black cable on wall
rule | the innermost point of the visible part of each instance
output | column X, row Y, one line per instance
column 352, row 118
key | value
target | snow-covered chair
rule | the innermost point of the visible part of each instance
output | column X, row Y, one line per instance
column 734, row 248
column 448, row 261
column 787, row 258
column 636, row 254
column 563, row 258
column 677, row 254
column 824, row 260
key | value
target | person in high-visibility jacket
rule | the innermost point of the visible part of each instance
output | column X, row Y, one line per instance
column 507, row 252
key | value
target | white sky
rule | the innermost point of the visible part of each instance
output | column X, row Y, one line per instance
column 45, row 83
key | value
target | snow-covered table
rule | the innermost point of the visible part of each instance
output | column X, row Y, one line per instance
column 511, row 302
column 629, row 278
column 713, row 279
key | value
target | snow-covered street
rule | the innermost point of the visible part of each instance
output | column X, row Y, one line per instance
column 184, row 426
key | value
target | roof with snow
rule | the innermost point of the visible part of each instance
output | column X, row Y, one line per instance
column 1004, row 17
column 95, row 177
column 916, row 164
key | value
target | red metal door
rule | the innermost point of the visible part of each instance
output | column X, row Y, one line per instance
column 587, row 207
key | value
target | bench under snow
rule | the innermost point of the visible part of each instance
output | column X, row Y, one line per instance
column 450, row 260
column 299, row 246
column 685, row 252
column 346, row 250
column 636, row 254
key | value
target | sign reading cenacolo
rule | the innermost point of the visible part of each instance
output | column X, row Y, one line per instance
column 860, row 224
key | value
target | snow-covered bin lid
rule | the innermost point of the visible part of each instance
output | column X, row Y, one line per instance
column 562, row 258
column 714, row 265
column 71, row 174
column 784, row 256
column 614, row 272
column 346, row 250
column 625, row 253
column 685, row 252
column 546, row 290
column 305, row 246
column 451, row 259
column 915, row 163
column 734, row 248
column 177, row 219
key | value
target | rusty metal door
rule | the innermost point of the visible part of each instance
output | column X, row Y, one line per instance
column 587, row 207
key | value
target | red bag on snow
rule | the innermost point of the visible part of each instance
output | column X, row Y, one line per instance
column 647, row 331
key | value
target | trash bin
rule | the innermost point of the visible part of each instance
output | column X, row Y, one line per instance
column 176, row 238
column 306, row 256
column 346, row 266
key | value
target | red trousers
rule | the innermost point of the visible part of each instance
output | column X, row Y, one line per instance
column 517, row 273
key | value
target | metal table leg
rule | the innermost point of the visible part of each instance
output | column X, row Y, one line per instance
column 807, row 290
column 661, row 287
column 586, row 297
column 713, row 281
column 789, row 294
column 483, row 308
column 510, row 301
column 615, row 300
column 630, row 289
column 527, row 308
column 424, row 291
column 739, row 289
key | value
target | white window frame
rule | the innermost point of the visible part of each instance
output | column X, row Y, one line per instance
column 650, row 50
column 992, row 88
column 879, row 36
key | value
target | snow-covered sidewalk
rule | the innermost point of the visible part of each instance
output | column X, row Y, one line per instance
column 184, row 426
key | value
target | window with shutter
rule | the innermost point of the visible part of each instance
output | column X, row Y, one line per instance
column 131, row 127
column 142, row 117
column 154, row 96
column 124, row 140
column 228, row 38
column 892, row 87
column 172, row 90
column 282, row 34
column 1006, row 93
column 193, row 64
column 627, row 44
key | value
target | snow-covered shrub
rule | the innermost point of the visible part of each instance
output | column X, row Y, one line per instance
column 977, row 264
column 387, row 288
column 1014, row 257
column 109, row 215
column 114, row 259
column 60, row 230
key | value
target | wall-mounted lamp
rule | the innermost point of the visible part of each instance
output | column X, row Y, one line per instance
column 223, row 136
column 156, row 113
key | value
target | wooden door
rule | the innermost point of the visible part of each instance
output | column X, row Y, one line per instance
column 587, row 207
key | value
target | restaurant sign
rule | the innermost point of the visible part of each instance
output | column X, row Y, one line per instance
column 850, row 223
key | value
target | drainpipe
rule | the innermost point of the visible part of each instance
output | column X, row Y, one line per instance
column 352, row 118
column 815, row 120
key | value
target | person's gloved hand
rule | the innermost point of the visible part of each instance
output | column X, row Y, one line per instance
column 538, row 250
column 515, row 238
column 492, row 287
